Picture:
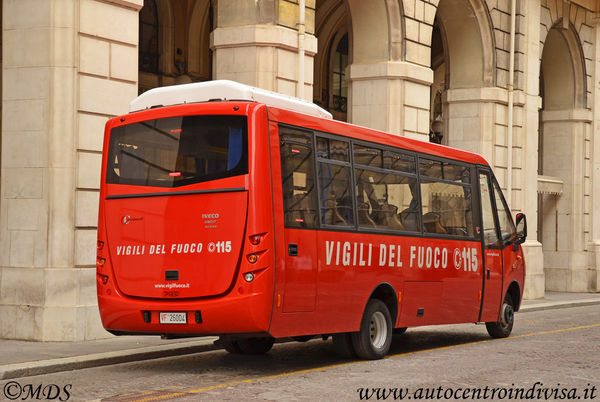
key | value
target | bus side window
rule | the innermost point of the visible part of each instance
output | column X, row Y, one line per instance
column 446, row 198
column 508, row 231
column 298, row 178
column 490, row 235
column 333, row 171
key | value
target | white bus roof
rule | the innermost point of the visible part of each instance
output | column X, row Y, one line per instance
column 223, row 90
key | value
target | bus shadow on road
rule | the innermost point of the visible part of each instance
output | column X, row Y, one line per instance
column 297, row 356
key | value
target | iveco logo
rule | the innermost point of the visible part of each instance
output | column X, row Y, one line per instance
column 127, row 219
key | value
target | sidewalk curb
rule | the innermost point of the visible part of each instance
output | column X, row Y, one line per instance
column 17, row 370
column 558, row 304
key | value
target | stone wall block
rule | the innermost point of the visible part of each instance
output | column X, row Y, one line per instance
column 85, row 247
column 24, row 149
column 86, row 210
column 24, row 182
column 108, row 21
column 26, row 14
column 88, row 171
column 62, row 287
column 123, row 62
column 94, row 56
column 105, row 96
column 90, row 129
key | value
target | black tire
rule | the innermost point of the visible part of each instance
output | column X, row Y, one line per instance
column 232, row 347
column 342, row 344
column 503, row 328
column 374, row 338
column 255, row 346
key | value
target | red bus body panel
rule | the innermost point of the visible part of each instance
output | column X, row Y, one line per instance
column 161, row 227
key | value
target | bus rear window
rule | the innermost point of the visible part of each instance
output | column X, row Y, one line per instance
column 178, row 151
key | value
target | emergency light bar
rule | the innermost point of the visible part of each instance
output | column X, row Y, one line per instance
column 222, row 90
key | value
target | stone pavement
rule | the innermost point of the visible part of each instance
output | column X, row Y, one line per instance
column 27, row 358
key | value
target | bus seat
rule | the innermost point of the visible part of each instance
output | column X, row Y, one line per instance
column 433, row 223
column 363, row 215
column 409, row 220
column 390, row 213
column 332, row 215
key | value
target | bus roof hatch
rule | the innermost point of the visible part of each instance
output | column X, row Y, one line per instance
column 222, row 90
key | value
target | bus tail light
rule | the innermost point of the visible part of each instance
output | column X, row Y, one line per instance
column 100, row 245
column 101, row 261
column 252, row 258
column 256, row 239
column 103, row 278
column 249, row 277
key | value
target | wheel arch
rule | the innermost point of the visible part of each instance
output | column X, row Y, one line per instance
column 386, row 293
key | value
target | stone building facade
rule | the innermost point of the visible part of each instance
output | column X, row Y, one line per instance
column 517, row 81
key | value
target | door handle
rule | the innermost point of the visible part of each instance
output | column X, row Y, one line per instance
column 293, row 250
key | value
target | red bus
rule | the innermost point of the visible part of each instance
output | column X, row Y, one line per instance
column 233, row 211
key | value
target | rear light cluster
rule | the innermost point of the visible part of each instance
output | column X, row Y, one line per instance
column 101, row 261
column 252, row 258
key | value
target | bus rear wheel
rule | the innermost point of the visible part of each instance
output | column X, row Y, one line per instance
column 255, row 346
column 503, row 328
column 374, row 338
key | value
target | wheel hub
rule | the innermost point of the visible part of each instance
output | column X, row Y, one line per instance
column 508, row 314
column 378, row 330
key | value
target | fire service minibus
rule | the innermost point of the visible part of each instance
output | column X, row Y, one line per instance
column 233, row 211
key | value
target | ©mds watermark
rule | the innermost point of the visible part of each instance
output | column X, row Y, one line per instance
column 13, row 390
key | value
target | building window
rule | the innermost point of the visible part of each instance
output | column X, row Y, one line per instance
column 338, row 76
column 148, row 47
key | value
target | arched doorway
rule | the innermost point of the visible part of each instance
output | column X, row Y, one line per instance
column 463, row 62
column 174, row 44
column 563, row 131
column 331, row 61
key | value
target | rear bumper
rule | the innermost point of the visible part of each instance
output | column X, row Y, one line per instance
column 231, row 314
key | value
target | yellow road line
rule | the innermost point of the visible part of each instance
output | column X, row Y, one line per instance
column 333, row 366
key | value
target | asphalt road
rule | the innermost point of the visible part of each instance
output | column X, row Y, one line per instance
column 551, row 355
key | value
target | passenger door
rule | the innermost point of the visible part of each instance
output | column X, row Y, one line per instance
column 300, row 214
column 499, row 232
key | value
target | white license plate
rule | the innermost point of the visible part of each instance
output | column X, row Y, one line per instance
column 173, row 318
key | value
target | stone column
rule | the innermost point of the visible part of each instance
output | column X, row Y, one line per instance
column 392, row 96
column 257, row 43
column 565, row 259
column 68, row 65
column 535, row 279
column 594, row 243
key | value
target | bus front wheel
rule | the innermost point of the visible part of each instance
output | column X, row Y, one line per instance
column 503, row 328
column 374, row 338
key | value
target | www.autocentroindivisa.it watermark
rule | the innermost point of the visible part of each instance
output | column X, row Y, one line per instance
column 537, row 392
column 14, row 390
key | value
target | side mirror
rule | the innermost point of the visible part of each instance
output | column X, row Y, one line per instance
column 521, row 223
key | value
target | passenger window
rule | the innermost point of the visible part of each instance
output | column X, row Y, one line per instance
column 336, row 197
column 298, row 179
column 335, row 189
column 333, row 149
column 399, row 162
column 445, row 171
column 446, row 198
column 367, row 156
column 385, row 201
